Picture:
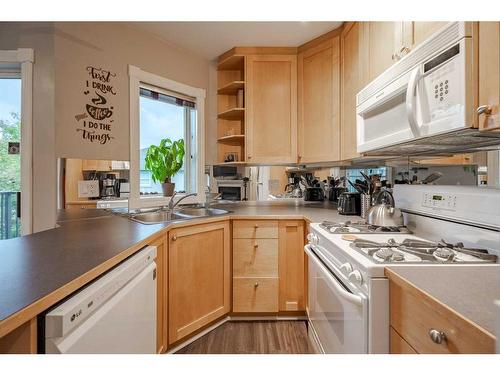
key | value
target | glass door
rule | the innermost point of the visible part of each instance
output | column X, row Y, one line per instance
column 10, row 157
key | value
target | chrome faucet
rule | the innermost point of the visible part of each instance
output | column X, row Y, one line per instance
column 171, row 205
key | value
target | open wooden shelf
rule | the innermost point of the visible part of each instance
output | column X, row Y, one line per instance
column 235, row 62
column 238, row 138
column 231, row 88
column 232, row 114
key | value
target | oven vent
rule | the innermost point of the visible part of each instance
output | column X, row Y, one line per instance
column 450, row 34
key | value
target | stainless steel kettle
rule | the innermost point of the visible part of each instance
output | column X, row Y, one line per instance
column 383, row 213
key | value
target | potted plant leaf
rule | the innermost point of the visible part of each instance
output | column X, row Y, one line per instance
column 164, row 161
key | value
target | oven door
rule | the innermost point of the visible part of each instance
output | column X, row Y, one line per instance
column 337, row 315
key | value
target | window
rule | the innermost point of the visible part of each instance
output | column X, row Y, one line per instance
column 162, row 108
column 166, row 115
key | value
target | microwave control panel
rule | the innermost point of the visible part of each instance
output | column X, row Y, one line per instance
column 439, row 201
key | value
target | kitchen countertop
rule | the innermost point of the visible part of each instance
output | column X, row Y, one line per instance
column 469, row 290
column 34, row 266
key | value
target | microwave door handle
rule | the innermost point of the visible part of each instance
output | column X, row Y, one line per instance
column 411, row 101
column 353, row 298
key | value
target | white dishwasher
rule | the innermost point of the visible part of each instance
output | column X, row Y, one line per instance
column 115, row 314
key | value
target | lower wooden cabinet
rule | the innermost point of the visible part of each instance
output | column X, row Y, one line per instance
column 199, row 277
column 255, row 294
column 161, row 293
column 426, row 326
column 268, row 266
column 292, row 295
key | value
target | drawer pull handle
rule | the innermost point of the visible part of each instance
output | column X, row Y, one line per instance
column 436, row 336
column 255, row 285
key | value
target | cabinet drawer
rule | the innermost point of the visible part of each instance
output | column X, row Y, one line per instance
column 414, row 314
column 255, row 257
column 255, row 229
column 399, row 345
column 255, row 294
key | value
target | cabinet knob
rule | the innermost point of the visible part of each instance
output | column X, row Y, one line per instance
column 174, row 238
column 255, row 285
column 249, row 156
column 256, row 226
column 436, row 336
column 256, row 246
column 484, row 110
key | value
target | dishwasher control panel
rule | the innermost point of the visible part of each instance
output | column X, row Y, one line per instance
column 68, row 315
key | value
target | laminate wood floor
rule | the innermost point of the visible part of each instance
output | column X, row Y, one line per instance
column 262, row 337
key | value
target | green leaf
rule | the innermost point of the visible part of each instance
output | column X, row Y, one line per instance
column 165, row 160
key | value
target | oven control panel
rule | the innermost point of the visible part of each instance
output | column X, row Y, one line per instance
column 439, row 201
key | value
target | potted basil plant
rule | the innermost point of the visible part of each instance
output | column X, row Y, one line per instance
column 164, row 161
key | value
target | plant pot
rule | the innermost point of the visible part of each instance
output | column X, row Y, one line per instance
column 168, row 189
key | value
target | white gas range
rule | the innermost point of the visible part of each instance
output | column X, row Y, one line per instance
column 348, row 305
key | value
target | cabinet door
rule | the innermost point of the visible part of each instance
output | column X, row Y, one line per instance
column 423, row 30
column 292, row 295
column 489, row 74
column 382, row 37
column 319, row 102
column 198, row 287
column 161, row 293
column 352, row 81
column 271, row 109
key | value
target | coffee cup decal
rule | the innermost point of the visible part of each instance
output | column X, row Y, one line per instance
column 94, row 124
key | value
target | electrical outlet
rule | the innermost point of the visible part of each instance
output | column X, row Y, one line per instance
column 88, row 189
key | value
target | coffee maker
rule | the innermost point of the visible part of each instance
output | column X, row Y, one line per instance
column 108, row 189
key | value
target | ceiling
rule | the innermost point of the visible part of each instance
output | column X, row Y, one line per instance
column 211, row 39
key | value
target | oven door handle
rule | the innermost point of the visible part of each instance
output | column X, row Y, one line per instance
column 353, row 298
column 411, row 101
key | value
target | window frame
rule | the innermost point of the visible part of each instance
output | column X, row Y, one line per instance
column 20, row 62
column 138, row 77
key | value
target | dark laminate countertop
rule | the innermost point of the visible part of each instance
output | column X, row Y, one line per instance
column 470, row 290
column 36, row 265
column 33, row 266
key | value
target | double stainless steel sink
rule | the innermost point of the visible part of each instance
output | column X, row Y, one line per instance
column 162, row 216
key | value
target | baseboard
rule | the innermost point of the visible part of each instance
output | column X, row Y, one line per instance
column 266, row 317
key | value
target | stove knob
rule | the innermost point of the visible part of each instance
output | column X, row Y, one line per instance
column 347, row 267
column 312, row 239
column 355, row 277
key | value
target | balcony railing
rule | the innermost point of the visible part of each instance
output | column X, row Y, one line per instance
column 10, row 223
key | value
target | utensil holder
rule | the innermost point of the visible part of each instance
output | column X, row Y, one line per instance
column 366, row 203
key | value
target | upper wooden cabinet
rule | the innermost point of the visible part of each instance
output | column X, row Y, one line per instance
column 96, row 165
column 489, row 75
column 198, row 277
column 352, row 80
column 381, row 43
column 271, row 108
column 423, row 30
column 319, row 101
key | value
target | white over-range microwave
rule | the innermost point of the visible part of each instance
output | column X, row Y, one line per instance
column 426, row 102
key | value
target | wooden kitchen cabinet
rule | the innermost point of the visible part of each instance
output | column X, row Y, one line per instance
column 292, row 288
column 352, row 80
column 271, row 109
column 319, row 101
column 198, row 277
column 96, row 165
column 255, row 266
column 423, row 30
column 489, row 75
column 381, row 44
column 413, row 314
column 161, row 293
